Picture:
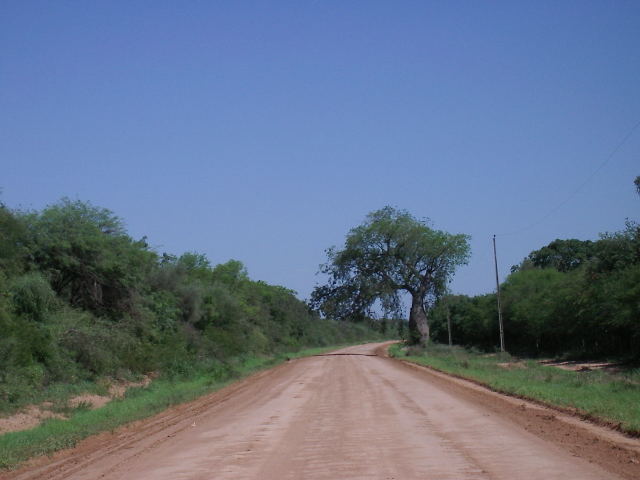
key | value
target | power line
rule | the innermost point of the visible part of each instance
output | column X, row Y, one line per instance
column 580, row 187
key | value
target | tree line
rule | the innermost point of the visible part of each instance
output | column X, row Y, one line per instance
column 81, row 299
column 576, row 297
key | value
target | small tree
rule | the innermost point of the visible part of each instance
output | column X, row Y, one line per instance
column 390, row 253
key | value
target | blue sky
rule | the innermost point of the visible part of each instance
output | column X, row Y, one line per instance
column 264, row 131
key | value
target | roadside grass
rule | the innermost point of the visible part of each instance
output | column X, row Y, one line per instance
column 610, row 397
column 138, row 403
column 56, row 394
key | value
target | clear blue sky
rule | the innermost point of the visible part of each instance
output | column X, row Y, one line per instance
column 264, row 131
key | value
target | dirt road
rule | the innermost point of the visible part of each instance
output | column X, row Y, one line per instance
column 354, row 416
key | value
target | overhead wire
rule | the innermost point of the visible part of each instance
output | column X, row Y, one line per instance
column 578, row 188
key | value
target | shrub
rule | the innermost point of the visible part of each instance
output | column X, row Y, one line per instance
column 32, row 296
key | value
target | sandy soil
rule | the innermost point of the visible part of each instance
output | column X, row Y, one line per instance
column 33, row 415
column 350, row 417
column 579, row 366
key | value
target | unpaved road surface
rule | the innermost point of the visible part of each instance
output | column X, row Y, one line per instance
column 355, row 416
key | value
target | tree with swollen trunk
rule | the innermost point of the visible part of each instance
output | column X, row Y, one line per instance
column 390, row 253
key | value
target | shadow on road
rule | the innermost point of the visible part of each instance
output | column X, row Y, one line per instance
column 348, row 354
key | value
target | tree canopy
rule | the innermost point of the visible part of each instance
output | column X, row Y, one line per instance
column 390, row 253
column 563, row 255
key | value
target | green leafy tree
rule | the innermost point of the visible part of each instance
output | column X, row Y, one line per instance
column 534, row 303
column 563, row 255
column 32, row 296
column 390, row 253
column 233, row 273
column 13, row 251
column 617, row 250
column 472, row 320
column 89, row 259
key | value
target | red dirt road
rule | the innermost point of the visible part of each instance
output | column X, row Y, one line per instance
column 350, row 417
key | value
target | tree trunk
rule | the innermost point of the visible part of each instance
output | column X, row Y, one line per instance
column 418, row 325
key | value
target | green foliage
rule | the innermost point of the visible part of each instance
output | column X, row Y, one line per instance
column 89, row 259
column 616, row 251
column 232, row 273
column 13, row 251
column 80, row 300
column 95, row 346
column 563, row 255
column 389, row 253
column 568, row 298
column 32, row 296
column 25, row 341
column 473, row 320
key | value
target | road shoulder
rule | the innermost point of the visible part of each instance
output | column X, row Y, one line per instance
column 607, row 448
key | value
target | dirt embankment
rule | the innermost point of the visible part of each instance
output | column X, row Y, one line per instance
column 33, row 415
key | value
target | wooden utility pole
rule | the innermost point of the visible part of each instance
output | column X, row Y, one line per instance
column 495, row 261
column 449, row 324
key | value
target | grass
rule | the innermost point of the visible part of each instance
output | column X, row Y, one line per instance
column 57, row 394
column 138, row 403
column 610, row 397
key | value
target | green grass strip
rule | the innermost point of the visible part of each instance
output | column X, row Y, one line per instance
column 138, row 403
column 610, row 398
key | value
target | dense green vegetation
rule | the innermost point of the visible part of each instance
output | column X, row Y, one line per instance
column 580, row 298
column 80, row 301
column 611, row 397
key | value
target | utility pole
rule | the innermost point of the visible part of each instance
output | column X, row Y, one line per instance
column 449, row 324
column 495, row 261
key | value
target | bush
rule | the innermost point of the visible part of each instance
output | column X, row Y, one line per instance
column 96, row 345
column 32, row 296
